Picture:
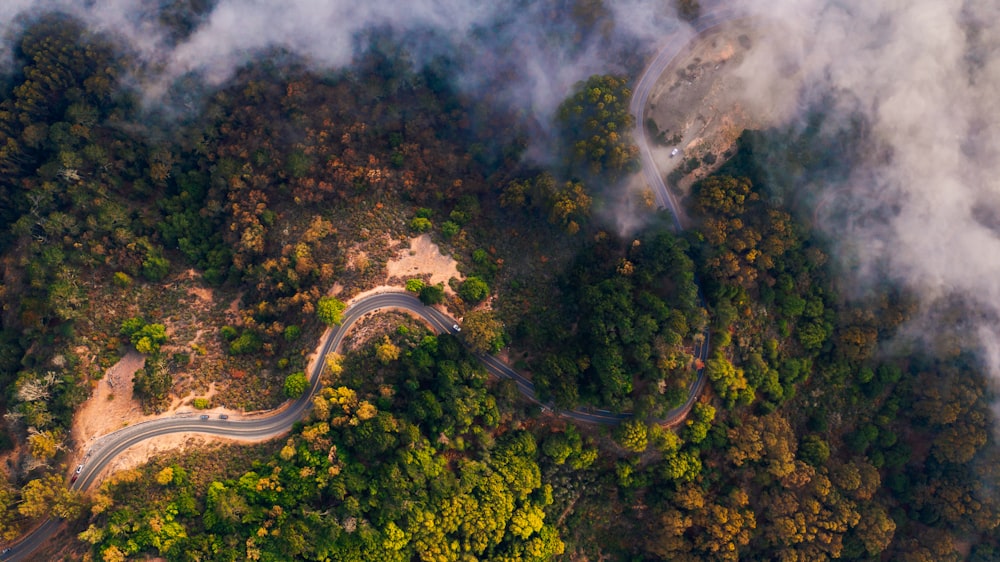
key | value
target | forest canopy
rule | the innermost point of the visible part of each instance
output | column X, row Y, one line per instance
column 216, row 247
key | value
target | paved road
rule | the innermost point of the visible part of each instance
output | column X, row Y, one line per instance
column 272, row 424
column 640, row 99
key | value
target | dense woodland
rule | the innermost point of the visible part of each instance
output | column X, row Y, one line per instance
column 815, row 440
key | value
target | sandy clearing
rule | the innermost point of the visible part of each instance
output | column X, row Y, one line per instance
column 423, row 259
column 699, row 103
column 111, row 405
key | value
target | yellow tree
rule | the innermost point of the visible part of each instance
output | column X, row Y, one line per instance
column 386, row 352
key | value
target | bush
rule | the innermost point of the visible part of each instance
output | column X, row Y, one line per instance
column 473, row 290
column 415, row 285
column 296, row 385
column 420, row 224
column 201, row 403
column 432, row 294
column 121, row 279
column 228, row 333
column 292, row 333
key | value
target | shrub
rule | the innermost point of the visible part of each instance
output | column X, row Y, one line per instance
column 415, row 285
column 201, row 403
column 292, row 333
column 228, row 333
column 121, row 279
column 473, row 290
column 420, row 224
column 296, row 384
column 248, row 342
column 432, row 294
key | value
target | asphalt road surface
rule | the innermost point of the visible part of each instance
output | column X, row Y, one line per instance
column 267, row 425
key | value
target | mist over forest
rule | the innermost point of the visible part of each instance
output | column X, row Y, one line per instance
column 899, row 93
column 204, row 187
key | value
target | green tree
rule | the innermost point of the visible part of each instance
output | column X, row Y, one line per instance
column 728, row 380
column 146, row 338
column 596, row 124
column 633, row 435
column 482, row 331
column 814, row 450
column 699, row 422
column 688, row 9
column 420, row 224
column 292, row 333
column 473, row 290
column 331, row 311
column 247, row 342
column 296, row 384
column 432, row 294
column 150, row 338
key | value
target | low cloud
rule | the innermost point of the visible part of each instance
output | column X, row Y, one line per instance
column 924, row 207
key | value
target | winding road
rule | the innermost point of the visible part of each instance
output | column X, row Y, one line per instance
column 267, row 425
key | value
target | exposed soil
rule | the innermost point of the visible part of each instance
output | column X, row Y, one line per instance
column 699, row 105
column 111, row 405
column 423, row 259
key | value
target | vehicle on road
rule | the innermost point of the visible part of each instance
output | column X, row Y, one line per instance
column 204, row 417
column 455, row 328
column 223, row 417
column 79, row 469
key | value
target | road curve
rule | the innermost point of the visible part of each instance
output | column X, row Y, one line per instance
column 263, row 427
column 640, row 98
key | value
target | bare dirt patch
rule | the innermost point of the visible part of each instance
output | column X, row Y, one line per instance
column 111, row 405
column 423, row 259
column 700, row 106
